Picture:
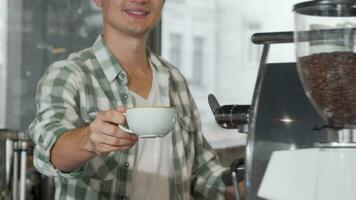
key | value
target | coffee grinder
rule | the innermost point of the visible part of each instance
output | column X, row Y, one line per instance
column 301, row 122
column 325, row 38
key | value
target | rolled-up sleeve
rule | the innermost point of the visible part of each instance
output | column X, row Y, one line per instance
column 57, row 101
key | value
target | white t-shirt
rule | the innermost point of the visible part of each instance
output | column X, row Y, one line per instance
column 154, row 162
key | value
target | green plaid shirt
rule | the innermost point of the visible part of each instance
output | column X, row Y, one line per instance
column 92, row 80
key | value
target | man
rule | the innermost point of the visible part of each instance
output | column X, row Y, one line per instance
column 81, row 101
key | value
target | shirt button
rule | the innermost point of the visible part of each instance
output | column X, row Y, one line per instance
column 122, row 75
column 127, row 164
column 125, row 96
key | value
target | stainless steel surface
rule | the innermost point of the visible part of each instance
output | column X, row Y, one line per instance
column 251, row 136
column 20, row 180
column 253, row 175
column 272, row 38
column 330, row 8
column 230, row 116
column 15, row 180
column 243, row 128
column 8, row 161
column 236, row 185
column 21, row 150
column 283, row 119
column 335, row 145
column 346, row 136
column 23, row 173
column 13, row 160
column 304, row 36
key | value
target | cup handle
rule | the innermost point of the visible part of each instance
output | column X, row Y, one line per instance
column 125, row 129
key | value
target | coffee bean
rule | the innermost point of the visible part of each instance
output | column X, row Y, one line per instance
column 330, row 80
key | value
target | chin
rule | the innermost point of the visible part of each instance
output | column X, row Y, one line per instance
column 139, row 32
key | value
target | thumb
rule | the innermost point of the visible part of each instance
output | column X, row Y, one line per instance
column 121, row 109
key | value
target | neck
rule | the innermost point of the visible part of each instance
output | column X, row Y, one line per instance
column 130, row 51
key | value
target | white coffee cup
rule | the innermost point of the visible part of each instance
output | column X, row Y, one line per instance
column 148, row 122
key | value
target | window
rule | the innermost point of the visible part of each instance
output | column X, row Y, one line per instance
column 222, row 60
column 175, row 50
column 252, row 55
column 198, row 58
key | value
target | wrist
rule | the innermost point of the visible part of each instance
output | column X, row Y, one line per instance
column 87, row 145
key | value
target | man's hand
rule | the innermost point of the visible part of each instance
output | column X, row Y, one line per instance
column 104, row 134
column 230, row 192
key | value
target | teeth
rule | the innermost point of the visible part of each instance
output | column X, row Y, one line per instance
column 136, row 12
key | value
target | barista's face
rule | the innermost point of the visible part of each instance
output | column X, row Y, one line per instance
column 133, row 17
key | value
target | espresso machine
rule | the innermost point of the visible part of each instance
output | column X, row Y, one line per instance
column 301, row 124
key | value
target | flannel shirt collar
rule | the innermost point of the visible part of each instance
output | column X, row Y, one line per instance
column 112, row 67
column 106, row 60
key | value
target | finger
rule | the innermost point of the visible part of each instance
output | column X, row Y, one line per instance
column 121, row 109
column 105, row 128
column 111, row 116
column 114, row 141
column 125, row 135
column 104, row 148
column 125, row 148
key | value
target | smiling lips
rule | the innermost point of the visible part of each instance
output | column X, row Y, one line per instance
column 137, row 13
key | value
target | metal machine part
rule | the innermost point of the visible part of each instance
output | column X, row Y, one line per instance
column 237, row 171
column 13, row 158
column 325, row 38
column 281, row 117
column 230, row 116
column 327, row 8
column 19, row 179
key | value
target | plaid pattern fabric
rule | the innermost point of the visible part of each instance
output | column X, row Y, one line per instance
column 92, row 80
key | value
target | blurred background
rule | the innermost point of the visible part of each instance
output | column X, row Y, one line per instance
column 208, row 40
